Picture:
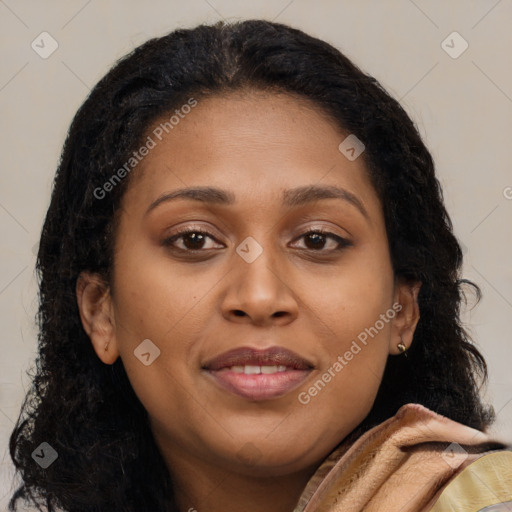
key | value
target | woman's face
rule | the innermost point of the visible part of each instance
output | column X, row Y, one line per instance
column 267, row 345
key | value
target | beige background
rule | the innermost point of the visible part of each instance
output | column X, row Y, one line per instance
column 463, row 107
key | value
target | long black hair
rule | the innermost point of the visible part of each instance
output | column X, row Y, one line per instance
column 86, row 410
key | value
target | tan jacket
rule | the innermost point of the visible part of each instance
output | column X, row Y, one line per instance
column 416, row 461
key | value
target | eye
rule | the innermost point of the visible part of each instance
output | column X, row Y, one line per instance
column 318, row 240
column 191, row 239
column 195, row 240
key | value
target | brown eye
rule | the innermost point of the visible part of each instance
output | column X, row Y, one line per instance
column 194, row 240
column 319, row 240
column 190, row 240
column 315, row 240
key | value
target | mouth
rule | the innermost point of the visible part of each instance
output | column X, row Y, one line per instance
column 258, row 374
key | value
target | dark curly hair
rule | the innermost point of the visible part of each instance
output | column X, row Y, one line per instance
column 87, row 410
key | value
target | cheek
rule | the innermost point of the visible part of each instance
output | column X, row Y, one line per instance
column 354, row 308
column 154, row 296
column 351, row 297
column 154, row 300
column 353, row 363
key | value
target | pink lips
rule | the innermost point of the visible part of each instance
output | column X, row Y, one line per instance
column 258, row 374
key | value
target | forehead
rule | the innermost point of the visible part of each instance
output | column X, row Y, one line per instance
column 254, row 143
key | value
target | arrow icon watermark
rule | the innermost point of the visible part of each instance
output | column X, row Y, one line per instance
column 45, row 455
column 351, row 147
column 146, row 352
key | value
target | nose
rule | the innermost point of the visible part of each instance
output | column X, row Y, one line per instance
column 259, row 293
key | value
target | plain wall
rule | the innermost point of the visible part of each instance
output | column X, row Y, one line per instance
column 463, row 108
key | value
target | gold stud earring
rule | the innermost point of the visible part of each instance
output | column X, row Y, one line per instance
column 402, row 348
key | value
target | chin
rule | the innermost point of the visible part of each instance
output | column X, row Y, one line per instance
column 268, row 459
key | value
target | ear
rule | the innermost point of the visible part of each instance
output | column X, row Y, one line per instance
column 96, row 312
column 407, row 316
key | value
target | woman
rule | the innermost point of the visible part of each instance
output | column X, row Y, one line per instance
column 250, row 295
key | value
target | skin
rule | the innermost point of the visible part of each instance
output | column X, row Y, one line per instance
column 225, row 452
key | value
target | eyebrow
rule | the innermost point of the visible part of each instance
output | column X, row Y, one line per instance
column 292, row 197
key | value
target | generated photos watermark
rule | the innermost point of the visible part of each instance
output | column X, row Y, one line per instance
column 151, row 142
column 305, row 397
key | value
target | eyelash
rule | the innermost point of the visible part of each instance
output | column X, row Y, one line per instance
column 342, row 242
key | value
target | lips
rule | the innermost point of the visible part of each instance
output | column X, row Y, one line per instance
column 275, row 356
column 258, row 374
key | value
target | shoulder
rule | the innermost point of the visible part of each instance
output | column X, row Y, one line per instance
column 485, row 485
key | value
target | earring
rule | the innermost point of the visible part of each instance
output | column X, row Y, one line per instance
column 402, row 347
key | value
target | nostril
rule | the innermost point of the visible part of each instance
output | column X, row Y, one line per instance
column 238, row 312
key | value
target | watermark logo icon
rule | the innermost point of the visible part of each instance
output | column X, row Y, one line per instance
column 454, row 45
column 454, row 455
column 147, row 352
column 45, row 455
column 351, row 147
column 44, row 45
column 249, row 249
